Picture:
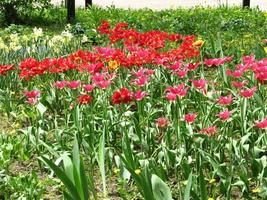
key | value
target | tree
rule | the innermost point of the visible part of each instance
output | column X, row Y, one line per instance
column 12, row 9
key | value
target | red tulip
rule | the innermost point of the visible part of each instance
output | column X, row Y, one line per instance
column 84, row 99
column 32, row 96
column 122, row 96
column 189, row 118
column 5, row 68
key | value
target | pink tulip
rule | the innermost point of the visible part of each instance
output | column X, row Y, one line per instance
column 182, row 73
column 225, row 100
column 162, row 122
column 171, row 96
column 224, row 115
column 248, row 93
column 74, row 84
column 189, row 118
column 262, row 124
column 88, row 87
column 141, row 81
column 104, row 84
column 237, row 84
column 199, row 84
column 139, row 95
column 60, row 84
column 209, row 131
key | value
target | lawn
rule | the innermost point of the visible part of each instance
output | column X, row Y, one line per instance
column 134, row 104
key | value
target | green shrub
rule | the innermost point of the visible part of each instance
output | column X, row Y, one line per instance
column 12, row 9
column 242, row 29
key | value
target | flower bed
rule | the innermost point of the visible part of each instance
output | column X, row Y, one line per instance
column 148, row 108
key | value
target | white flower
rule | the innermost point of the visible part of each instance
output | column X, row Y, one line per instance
column 67, row 35
column 37, row 32
column 56, row 39
column 68, row 27
column 84, row 39
column 14, row 38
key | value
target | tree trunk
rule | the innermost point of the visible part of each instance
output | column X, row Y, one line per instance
column 71, row 10
column 246, row 3
column 88, row 3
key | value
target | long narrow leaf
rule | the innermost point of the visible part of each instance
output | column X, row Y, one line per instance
column 101, row 161
column 63, row 177
column 84, row 181
column 202, row 185
column 188, row 187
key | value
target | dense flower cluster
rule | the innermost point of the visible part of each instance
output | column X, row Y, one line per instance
column 143, row 54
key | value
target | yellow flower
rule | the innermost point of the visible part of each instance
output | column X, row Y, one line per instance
column 185, row 182
column 113, row 64
column 211, row 181
column 265, row 49
column 116, row 170
column 256, row 190
column 210, row 198
column 198, row 43
column 137, row 171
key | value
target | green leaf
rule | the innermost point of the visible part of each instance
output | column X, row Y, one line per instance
column 243, row 114
column 259, row 101
column 68, row 166
column 76, row 154
column 41, row 108
column 202, row 185
column 160, row 189
column 101, row 160
column 64, row 178
column 78, row 184
column 84, row 181
column 188, row 187
column 67, row 196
